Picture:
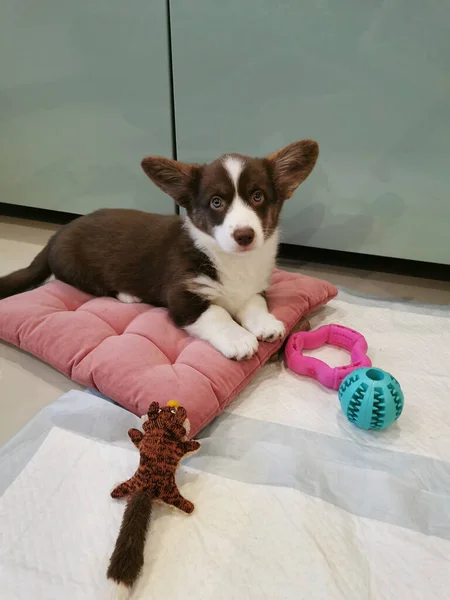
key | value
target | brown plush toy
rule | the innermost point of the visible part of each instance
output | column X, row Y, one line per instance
column 162, row 446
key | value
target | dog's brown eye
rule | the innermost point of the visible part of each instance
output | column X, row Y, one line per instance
column 257, row 197
column 216, row 203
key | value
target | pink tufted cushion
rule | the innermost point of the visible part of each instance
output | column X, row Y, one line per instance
column 133, row 354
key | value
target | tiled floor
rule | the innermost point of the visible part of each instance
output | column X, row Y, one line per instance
column 26, row 384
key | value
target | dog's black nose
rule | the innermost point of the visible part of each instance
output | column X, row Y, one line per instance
column 244, row 236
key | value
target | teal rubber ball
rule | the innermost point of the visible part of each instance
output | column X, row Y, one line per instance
column 371, row 398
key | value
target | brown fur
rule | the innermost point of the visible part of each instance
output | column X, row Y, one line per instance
column 120, row 250
column 29, row 277
column 153, row 257
column 162, row 446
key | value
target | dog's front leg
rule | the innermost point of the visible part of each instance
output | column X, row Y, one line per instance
column 213, row 324
column 256, row 318
column 217, row 327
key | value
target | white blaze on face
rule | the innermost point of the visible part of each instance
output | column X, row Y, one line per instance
column 239, row 214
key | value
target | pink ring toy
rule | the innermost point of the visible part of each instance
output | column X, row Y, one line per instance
column 335, row 335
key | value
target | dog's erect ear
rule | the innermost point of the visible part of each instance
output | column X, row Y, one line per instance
column 291, row 166
column 179, row 180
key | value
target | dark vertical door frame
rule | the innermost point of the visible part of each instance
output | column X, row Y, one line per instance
column 173, row 121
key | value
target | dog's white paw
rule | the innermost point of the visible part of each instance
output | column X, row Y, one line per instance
column 266, row 328
column 237, row 347
column 128, row 298
column 216, row 326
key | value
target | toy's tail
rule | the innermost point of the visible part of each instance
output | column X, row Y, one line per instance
column 25, row 279
column 128, row 557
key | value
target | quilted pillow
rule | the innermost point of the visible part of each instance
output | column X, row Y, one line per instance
column 133, row 353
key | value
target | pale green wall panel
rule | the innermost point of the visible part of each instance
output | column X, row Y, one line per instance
column 369, row 79
column 84, row 95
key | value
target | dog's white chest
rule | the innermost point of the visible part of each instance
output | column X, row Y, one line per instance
column 239, row 277
column 242, row 281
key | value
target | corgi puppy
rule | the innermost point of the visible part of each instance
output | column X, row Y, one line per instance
column 209, row 268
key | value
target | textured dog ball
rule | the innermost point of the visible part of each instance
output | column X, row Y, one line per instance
column 371, row 398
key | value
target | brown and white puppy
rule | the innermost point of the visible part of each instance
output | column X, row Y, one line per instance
column 210, row 269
